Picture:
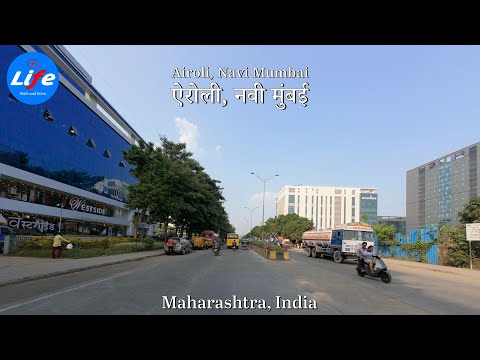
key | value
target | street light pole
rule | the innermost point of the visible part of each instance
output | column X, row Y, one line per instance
column 264, row 180
column 251, row 213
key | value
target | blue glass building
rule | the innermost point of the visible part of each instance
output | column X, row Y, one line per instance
column 63, row 158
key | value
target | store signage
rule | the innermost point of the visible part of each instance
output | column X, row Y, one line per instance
column 41, row 225
column 371, row 197
column 81, row 205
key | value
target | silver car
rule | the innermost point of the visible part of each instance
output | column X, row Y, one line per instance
column 180, row 246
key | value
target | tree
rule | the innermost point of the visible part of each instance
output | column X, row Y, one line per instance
column 289, row 226
column 452, row 237
column 364, row 218
column 174, row 188
column 385, row 233
column 471, row 212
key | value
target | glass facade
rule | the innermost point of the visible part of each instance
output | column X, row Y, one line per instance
column 17, row 190
column 61, row 139
column 368, row 206
column 444, row 188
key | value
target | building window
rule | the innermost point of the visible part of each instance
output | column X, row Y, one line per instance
column 291, row 199
column 47, row 115
column 291, row 209
column 107, row 153
column 338, row 191
column 459, row 155
column 91, row 143
column 72, row 131
column 449, row 158
column 12, row 98
column 353, row 192
column 291, row 190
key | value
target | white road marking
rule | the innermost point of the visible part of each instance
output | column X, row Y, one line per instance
column 61, row 292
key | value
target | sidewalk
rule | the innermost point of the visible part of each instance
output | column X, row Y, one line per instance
column 17, row 269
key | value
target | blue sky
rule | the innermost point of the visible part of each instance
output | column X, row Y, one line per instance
column 373, row 113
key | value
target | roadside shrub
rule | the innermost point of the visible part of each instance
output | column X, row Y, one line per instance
column 131, row 246
column 40, row 243
column 148, row 242
column 275, row 248
column 257, row 243
column 158, row 245
column 36, row 243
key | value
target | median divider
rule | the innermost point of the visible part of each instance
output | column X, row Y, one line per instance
column 271, row 255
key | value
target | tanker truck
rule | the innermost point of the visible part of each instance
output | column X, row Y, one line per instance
column 339, row 243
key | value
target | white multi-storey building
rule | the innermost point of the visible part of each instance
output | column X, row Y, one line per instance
column 328, row 206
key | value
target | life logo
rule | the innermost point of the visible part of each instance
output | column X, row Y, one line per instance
column 32, row 78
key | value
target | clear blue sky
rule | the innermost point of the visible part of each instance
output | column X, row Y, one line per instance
column 373, row 113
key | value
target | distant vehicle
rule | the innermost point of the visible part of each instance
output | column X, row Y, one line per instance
column 209, row 236
column 245, row 244
column 199, row 242
column 180, row 246
column 285, row 243
column 340, row 243
column 231, row 237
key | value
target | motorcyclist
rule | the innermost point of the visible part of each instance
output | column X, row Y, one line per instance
column 361, row 254
column 216, row 245
column 234, row 244
column 369, row 258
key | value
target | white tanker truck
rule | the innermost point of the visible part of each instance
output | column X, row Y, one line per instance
column 340, row 243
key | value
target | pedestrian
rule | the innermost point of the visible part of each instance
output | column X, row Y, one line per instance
column 170, row 246
column 57, row 245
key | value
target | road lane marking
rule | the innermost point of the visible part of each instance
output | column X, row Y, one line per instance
column 61, row 292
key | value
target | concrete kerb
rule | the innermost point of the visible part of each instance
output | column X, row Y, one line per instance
column 74, row 270
column 271, row 255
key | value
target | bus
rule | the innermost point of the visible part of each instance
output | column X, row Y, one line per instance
column 209, row 236
column 230, row 238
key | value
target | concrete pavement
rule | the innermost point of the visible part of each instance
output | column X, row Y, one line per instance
column 17, row 269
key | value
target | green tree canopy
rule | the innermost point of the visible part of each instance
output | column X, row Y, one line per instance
column 289, row 226
column 471, row 212
column 385, row 233
column 174, row 188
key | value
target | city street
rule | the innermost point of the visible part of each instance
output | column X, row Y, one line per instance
column 148, row 287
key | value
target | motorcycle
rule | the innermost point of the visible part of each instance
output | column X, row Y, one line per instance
column 216, row 251
column 379, row 270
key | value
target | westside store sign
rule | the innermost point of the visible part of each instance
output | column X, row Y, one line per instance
column 81, row 205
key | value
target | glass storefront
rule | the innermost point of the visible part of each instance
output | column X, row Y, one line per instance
column 61, row 139
column 20, row 191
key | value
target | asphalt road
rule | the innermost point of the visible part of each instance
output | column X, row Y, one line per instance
column 148, row 287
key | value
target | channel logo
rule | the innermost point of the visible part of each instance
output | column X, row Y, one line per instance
column 32, row 78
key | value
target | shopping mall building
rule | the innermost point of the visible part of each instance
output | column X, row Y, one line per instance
column 62, row 159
